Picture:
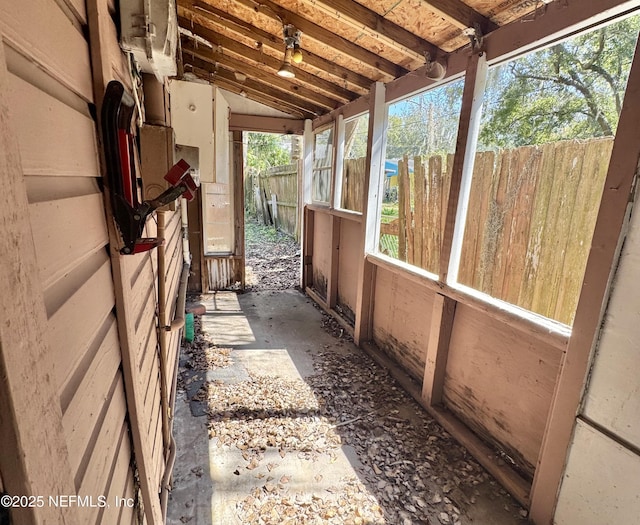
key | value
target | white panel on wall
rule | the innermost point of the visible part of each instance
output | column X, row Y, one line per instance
column 221, row 119
column 192, row 121
column 600, row 485
column 613, row 396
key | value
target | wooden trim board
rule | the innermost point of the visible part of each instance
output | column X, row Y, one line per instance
column 437, row 348
column 28, row 396
column 605, row 246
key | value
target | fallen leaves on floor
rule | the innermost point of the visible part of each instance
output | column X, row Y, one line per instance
column 412, row 471
column 272, row 259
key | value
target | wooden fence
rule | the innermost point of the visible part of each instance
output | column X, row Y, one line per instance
column 276, row 198
column 353, row 184
column 530, row 220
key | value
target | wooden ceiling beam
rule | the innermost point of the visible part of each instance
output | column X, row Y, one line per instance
column 254, row 85
column 460, row 14
column 242, row 27
column 238, row 89
column 254, row 55
column 208, row 55
column 363, row 18
column 325, row 36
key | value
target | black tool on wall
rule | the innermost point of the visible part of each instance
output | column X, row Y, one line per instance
column 129, row 211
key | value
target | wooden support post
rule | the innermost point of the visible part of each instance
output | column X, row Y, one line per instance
column 336, row 202
column 438, row 349
column 605, row 248
column 372, row 188
column 460, row 187
column 307, row 248
column 334, row 262
column 98, row 20
column 238, row 206
column 34, row 459
column 304, row 183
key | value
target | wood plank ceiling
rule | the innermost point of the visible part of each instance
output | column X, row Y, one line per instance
column 346, row 45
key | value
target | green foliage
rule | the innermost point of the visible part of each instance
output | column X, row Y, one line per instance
column 572, row 90
column 425, row 124
column 266, row 150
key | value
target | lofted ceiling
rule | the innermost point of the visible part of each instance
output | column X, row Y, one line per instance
column 238, row 45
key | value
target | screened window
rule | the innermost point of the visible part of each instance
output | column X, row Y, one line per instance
column 544, row 145
column 351, row 185
column 322, row 165
column 421, row 138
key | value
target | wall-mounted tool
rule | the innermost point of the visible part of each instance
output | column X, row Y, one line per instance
column 129, row 212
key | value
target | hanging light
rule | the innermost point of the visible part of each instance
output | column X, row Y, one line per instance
column 292, row 51
column 286, row 70
column 435, row 70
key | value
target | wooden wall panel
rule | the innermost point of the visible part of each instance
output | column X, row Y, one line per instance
column 44, row 125
column 66, row 231
column 49, row 90
column 117, row 486
column 74, row 325
column 500, row 380
column 81, row 415
column 401, row 320
column 40, row 30
column 600, row 485
column 321, row 252
column 349, row 255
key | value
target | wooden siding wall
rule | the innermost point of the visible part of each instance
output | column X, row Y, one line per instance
column 401, row 320
column 102, row 325
column 321, row 254
column 349, row 253
column 499, row 380
column 49, row 92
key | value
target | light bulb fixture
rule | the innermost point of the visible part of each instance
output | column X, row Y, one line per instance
column 297, row 54
column 292, row 52
column 435, row 70
column 286, row 70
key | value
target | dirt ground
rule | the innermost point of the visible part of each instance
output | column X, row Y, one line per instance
column 296, row 425
column 272, row 259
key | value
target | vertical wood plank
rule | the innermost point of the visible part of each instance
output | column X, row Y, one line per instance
column 307, row 248
column 238, row 206
column 419, row 211
column 403, row 176
column 100, row 44
column 605, row 247
column 528, row 295
column 28, row 396
column 334, row 262
column 372, row 188
column 527, row 167
column 437, row 349
column 462, row 168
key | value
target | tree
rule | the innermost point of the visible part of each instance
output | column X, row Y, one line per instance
column 426, row 123
column 568, row 91
column 266, row 150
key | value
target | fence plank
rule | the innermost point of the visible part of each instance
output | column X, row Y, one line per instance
column 527, row 295
column 403, row 195
column 581, row 226
column 419, row 207
column 434, row 214
column 527, row 166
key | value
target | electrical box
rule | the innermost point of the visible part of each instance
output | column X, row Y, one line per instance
column 150, row 32
column 156, row 158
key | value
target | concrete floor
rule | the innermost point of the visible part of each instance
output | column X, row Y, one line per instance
column 275, row 334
